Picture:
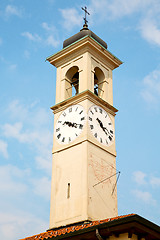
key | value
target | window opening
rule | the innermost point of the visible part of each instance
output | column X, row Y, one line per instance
column 75, row 84
column 72, row 81
column 68, row 190
column 98, row 82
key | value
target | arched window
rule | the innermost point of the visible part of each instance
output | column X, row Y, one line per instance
column 72, row 77
column 98, row 82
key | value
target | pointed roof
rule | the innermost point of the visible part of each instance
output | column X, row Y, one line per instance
column 84, row 32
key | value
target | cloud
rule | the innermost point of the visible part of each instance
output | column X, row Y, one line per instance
column 139, row 177
column 155, row 181
column 44, row 162
column 3, row 148
column 30, row 126
column 144, row 196
column 52, row 42
column 71, row 18
column 10, row 182
column 12, row 67
column 41, row 187
column 32, row 37
column 151, row 87
column 16, row 226
column 150, row 31
column 52, row 37
column 118, row 8
column 12, row 10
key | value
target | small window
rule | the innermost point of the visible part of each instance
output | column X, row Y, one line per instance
column 68, row 190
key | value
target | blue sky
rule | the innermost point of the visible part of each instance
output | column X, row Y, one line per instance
column 30, row 32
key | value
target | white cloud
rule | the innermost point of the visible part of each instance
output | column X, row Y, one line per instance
column 10, row 182
column 139, row 177
column 52, row 42
column 41, row 187
column 30, row 127
column 118, row 8
column 44, row 162
column 20, row 224
column 71, row 18
column 155, row 181
column 150, row 30
column 27, row 54
column 151, row 87
column 144, row 196
column 12, row 10
column 32, row 37
column 12, row 67
column 3, row 148
column 48, row 28
column 52, row 38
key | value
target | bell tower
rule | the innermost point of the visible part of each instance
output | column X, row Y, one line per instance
column 84, row 156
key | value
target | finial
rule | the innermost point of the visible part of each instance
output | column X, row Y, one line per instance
column 85, row 26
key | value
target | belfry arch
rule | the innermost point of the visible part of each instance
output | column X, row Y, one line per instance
column 72, row 81
column 99, row 79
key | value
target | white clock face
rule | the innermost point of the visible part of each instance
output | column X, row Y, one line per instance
column 101, row 125
column 70, row 124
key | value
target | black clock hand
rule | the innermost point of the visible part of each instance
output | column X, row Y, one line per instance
column 72, row 124
column 101, row 125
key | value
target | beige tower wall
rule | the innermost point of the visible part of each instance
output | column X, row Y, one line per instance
column 102, row 190
column 69, row 167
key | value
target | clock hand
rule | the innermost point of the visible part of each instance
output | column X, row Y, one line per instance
column 72, row 124
column 101, row 125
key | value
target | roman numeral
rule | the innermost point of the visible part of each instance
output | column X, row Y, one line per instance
column 64, row 114
column 110, row 138
column 70, row 109
column 80, row 126
column 91, row 112
column 101, row 140
column 111, row 131
column 63, row 139
column 76, row 109
column 90, row 118
column 91, row 126
column 95, row 109
column 69, row 139
column 81, row 112
column 57, row 129
column 82, row 118
column 95, row 135
column 58, row 136
column 109, row 123
column 100, row 110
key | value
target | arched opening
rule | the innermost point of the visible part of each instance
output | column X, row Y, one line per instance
column 72, row 77
column 98, row 81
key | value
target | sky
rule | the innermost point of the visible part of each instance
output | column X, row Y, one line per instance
column 30, row 31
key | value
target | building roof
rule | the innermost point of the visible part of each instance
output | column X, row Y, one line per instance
column 84, row 32
column 131, row 224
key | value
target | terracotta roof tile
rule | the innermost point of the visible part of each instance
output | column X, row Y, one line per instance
column 64, row 230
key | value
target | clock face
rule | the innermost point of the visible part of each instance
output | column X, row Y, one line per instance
column 101, row 125
column 70, row 124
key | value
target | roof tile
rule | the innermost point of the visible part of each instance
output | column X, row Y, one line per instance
column 64, row 230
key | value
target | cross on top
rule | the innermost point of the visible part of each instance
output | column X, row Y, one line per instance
column 85, row 18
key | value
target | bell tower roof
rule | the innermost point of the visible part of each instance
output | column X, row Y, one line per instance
column 84, row 32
